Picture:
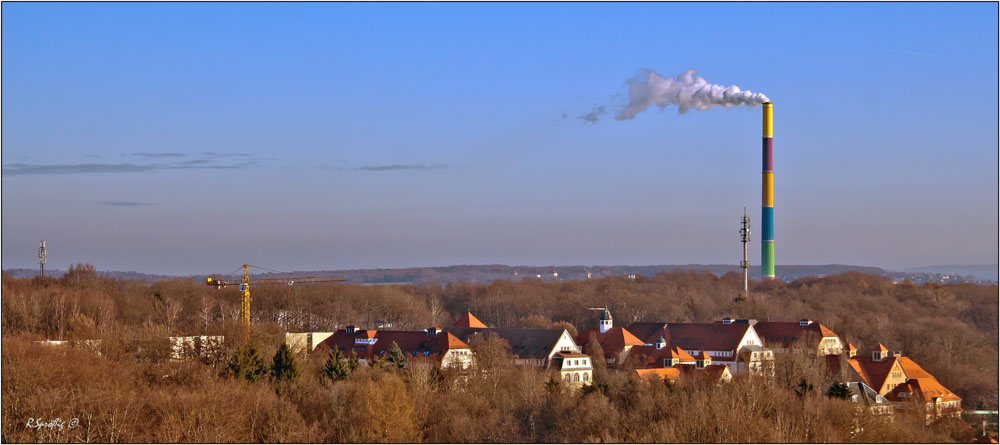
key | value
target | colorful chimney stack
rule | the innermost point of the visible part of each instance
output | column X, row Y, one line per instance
column 767, row 206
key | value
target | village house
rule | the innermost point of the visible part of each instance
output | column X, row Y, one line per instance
column 903, row 382
column 937, row 400
column 431, row 345
column 703, row 368
column 615, row 342
column 305, row 342
column 543, row 348
column 881, row 370
column 782, row 336
column 723, row 342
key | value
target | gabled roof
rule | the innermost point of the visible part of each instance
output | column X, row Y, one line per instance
column 693, row 336
column 704, row 356
column 851, row 347
column 468, row 321
column 612, row 342
column 524, row 342
column 926, row 388
column 783, row 333
column 660, row 373
column 412, row 343
column 913, row 370
column 874, row 372
column 649, row 356
column 882, row 348
column 716, row 372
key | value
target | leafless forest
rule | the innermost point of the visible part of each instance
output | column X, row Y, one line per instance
column 127, row 390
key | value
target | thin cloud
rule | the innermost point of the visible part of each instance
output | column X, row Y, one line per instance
column 216, row 154
column 150, row 155
column 72, row 169
column 124, row 203
column 394, row 167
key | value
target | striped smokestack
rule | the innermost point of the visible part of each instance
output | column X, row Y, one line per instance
column 767, row 206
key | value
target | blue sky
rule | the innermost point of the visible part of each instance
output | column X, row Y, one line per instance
column 193, row 137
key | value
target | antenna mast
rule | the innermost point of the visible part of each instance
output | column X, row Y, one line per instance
column 41, row 259
column 745, row 238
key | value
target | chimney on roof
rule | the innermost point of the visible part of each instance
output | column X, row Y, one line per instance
column 805, row 322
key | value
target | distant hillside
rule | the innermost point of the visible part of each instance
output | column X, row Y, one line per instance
column 130, row 275
column 981, row 271
column 492, row 272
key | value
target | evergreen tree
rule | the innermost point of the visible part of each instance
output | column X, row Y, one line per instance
column 352, row 362
column 283, row 367
column 246, row 364
column 839, row 390
column 396, row 358
column 336, row 368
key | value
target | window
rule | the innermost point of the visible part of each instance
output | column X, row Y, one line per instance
column 576, row 377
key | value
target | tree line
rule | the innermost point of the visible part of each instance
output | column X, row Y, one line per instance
column 131, row 391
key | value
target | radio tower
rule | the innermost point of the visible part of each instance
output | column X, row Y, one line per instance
column 41, row 259
column 745, row 238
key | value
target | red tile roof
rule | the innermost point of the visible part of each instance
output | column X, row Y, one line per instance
column 612, row 342
column 925, row 389
column 649, row 356
column 660, row 373
column 468, row 321
column 781, row 334
column 913, row 370
column 693, row 336
column 874, row 372
column 412, row 343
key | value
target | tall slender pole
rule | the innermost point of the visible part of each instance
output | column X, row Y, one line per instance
column 745, row 264
column 767, row 206
column 41, row 259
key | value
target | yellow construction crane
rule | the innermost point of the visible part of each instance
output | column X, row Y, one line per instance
column 245, row 289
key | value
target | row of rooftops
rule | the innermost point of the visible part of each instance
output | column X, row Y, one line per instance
column 650, row 343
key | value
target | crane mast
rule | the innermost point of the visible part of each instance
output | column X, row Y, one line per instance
column 245, row 283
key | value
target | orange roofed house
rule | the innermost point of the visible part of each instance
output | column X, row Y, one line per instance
column 903, row 382
column 732, row 344
column 782, row 336
column 544, row 348
column 615, row 342
column 432, row 345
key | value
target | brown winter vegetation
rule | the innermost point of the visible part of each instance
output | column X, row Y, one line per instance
column 126, row 389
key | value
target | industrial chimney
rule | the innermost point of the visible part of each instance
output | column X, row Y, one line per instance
column 767, row 206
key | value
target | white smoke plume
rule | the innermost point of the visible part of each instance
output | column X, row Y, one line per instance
column 687, row 91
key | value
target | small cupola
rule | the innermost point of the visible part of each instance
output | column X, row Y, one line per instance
column 805, row 322
column 727, row 320
column 351, row 329
column 433, row 330
column 606, row 322
column 661, row 343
